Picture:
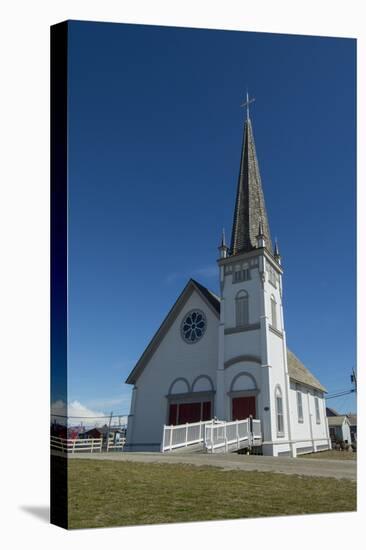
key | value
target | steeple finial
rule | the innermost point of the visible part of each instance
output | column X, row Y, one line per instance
column 261, row 239
column 260, row 228
column 223, row 240
column 276, row 252
column 247, row 103
column 223, row 248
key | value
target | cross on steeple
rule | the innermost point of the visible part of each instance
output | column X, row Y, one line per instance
column 247, row 103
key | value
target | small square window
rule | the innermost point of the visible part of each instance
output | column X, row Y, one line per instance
column 240, row 274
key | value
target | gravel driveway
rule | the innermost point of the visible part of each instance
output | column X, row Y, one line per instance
column 346, row 469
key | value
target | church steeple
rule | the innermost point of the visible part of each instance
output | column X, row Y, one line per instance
column 250, row 209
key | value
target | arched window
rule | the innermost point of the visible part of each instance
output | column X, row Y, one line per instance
column 273, row 311
column 242, row 308
column 279, row 411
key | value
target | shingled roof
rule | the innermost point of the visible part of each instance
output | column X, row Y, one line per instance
column 299, row 373
column 250, row 208
column 211, row 297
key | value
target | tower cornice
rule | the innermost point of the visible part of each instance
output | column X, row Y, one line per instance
column 243, row 256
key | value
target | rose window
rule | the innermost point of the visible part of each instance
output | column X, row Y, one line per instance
column 193, row 326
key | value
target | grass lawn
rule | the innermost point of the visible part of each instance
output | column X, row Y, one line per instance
column 337, row 455
column 108, row 493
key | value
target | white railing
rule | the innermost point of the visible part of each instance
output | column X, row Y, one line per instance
column 225, row 435
column 116, row 445
column 76, row 445
column 214, row 434
column 256, row 432
column 183, row 435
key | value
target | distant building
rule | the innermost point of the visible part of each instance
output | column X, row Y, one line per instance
column 93, row 433
column 353, row 426
column 115, row 433
column 339, row 428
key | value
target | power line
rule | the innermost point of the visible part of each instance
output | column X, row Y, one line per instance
column 342, row 402
column 89, row 417
column 338, row 390
column 340, row 394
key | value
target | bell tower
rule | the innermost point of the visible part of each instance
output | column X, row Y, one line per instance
column 252, row 375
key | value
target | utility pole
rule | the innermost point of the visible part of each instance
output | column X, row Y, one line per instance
column 109, row 427
column 354, row 379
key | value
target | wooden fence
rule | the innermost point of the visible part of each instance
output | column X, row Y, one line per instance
column 116, row 445
column 85, row 445
column 76, row 445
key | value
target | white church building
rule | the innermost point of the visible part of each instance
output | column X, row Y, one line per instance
column 226, row 356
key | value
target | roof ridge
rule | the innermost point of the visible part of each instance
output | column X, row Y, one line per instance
column 210, row 296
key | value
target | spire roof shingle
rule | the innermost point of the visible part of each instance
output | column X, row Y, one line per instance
column 250, row 210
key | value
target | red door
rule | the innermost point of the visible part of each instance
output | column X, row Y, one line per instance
column 189, row 412
column 173, row 410
column 243, row 407
column 206, row 410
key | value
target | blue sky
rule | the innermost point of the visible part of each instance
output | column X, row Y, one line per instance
column 155, row 129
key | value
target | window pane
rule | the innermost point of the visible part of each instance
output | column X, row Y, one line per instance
column 279, row 405
column 242, row 313
column 279, row 423
column 317, row 413
column 299, row 406
column 273, row 313
column 279, row 414
column 245, row 311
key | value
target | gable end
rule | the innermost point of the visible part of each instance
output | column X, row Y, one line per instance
column 208, row 297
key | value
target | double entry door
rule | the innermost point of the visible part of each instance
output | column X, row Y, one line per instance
column 180, row 413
